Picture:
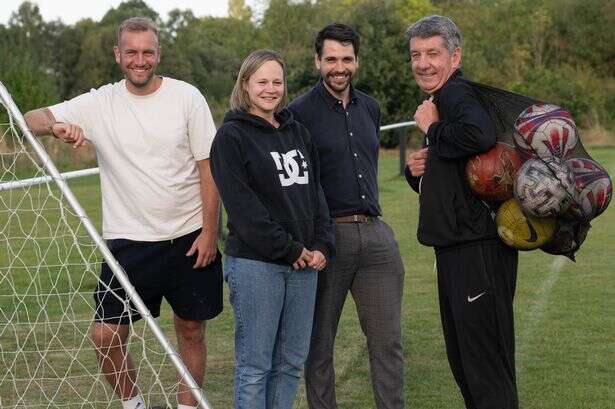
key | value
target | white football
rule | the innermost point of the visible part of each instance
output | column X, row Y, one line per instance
column 544, row 187
column 545, row 131
column 593, row 189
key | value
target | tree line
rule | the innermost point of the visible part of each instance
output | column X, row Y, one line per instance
column 560, row 51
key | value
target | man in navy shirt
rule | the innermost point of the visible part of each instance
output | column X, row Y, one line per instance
column 344, row 123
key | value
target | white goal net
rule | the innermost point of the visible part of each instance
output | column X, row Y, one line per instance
column 50, row 259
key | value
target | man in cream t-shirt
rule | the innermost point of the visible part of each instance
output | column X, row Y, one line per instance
column 152, row 136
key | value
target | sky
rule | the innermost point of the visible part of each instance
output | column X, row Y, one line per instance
column 70, row 11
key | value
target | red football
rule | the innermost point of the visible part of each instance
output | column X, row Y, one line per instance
column 492, row 174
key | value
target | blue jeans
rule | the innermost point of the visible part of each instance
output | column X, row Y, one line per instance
column 274, row 308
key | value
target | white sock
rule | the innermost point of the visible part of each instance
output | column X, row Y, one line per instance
column 134, row 403
column 179, row 406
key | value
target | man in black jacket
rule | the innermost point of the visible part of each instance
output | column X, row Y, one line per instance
column 476, row 271
column 344, row 123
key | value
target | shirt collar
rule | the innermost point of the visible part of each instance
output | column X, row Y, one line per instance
column 330, row 99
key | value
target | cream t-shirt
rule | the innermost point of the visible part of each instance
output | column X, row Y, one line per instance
column 147, row 149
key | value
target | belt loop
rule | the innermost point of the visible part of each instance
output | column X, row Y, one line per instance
column 355, row 218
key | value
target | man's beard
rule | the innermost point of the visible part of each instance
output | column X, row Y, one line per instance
column 335, row 86
column 141, row 84
column 129, row 75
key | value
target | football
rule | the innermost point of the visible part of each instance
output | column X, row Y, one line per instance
column 521, row 231
column 544, row 187
column 567, row 239
column 593, row 189
column 545, row 131
column 491, row 174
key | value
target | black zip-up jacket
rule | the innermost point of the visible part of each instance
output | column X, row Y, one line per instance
column 268, row 180
column 450, row 213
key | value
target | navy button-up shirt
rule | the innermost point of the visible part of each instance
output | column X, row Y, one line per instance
column 347, row 140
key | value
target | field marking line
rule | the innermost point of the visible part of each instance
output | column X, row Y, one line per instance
column 537, row 312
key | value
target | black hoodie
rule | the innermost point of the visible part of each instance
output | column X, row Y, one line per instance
column 268, row 180
column 450, row 213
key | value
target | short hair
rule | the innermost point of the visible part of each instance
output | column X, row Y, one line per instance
column 240, row 100
column 435, row 25
column 338, row 32
column 135, row 25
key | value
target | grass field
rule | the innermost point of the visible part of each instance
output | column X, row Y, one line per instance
column 564, row 311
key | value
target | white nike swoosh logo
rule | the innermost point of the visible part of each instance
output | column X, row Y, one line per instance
column 472, row 299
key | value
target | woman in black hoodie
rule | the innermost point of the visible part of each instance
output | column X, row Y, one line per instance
column 280, row 232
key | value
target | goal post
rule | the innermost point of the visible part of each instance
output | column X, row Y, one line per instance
column 50, row 254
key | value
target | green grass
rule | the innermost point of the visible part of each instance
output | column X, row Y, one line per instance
column 564, row 311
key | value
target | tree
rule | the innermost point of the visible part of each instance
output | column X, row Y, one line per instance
column 28, row 42
column 237, row 9
column 96, row 65
column 30, row 86
column 28, row 31
column 582, row 34
column 384, row 72
column 555, row 50
column 178, row 20
column 68, row 50
column 208, row 52
column 28, row 20
column 290, row 28
column 127, row 9
column 412, row 10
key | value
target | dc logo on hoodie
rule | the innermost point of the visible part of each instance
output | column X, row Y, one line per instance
column 290, row 170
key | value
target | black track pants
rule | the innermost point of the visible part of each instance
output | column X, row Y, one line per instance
column 476, row 284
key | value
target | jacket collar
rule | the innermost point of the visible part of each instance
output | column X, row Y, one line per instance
column 456, row 74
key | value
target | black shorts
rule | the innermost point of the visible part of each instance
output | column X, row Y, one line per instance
column 159, row 269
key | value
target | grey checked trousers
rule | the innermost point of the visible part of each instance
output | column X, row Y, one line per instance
column 367, row 263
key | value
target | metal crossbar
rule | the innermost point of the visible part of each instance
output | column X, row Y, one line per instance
column 94, row 171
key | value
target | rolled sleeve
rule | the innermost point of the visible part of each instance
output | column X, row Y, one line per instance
column 79, row 110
